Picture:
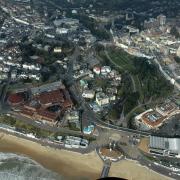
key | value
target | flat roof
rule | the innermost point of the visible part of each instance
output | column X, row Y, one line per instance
column 47, row 114
column 47, row 87
column 166, row 107
column 171, row 144
column 16, row 98
column 153, row 118
column 52, row 97
column 26, row 111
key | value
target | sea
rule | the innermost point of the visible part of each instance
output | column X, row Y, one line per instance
column 16, row 167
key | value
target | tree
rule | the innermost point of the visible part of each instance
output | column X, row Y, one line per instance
column 131, row 102
column 175, row 32
column 177, row 59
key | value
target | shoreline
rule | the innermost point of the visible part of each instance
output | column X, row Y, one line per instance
column 73, row 165
column 67, row 163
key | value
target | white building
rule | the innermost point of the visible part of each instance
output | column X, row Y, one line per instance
column 73, row 116
column 9, row 63
column 67, row 21
column 112, row 97
column 75, row 142
column 57, row 50
column 3, row 76
column 97, row 70
column 34, row 76
column 6, row 69
column 62, row 30
column 31, row 66
column 178, row 52
column 13, row 74
column 102, row 99
column 166, row 109
column 1, row 67
column 23, row 76
column 161, row 19
column 74, row 11
column 105, row 70
column 89, row 94
column 1, row 58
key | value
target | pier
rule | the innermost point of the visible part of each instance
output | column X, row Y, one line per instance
column 106, row 168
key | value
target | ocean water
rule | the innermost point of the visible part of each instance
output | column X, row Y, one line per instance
column 16, row 167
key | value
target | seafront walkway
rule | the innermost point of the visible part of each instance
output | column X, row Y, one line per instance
column 108, row 158
column 106, row 168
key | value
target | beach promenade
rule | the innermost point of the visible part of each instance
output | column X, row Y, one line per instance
column 74, row 165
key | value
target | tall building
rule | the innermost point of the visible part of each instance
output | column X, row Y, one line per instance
column 161, row 20
column 155, row 23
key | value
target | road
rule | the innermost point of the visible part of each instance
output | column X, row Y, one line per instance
column 46, row 126
column 46, row 142
column 68, row 78
column 101, row 125
column 163, row 72
column 157, row 167
column 96, row 120
column 133, row 83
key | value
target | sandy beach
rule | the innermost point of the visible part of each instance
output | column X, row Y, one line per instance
column 74, row 165
column 133, row 171
column 66, row 163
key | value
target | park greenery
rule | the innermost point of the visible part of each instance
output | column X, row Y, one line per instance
column 174, row 31
column 177, row 59
column 139, row 72
column 24, row 127
column 145, row 73
column 47, row 57
column 72, row 126
column 92, row 25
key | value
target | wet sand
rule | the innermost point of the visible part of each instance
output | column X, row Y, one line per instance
column 133, row 171
column 73, row 165
column 69, row 164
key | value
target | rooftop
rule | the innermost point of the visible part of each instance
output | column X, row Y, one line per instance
column 47, row 114
column 27, row 112
column 153, row 118
column 166, row 108
column 51, row 97
column 171, row 144
column 15, row 98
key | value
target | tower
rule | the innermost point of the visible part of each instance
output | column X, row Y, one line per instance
column 161, row 20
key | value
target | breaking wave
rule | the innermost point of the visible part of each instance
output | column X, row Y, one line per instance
column 16, row 167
